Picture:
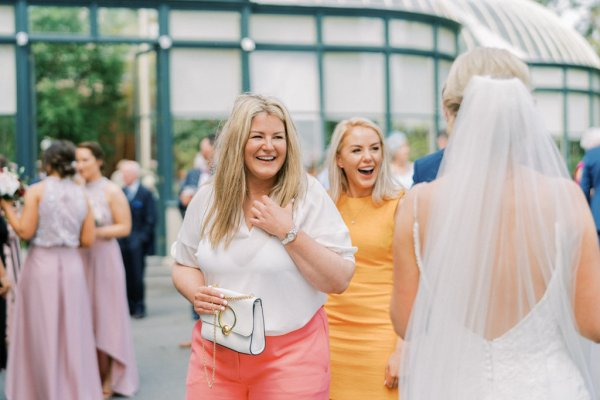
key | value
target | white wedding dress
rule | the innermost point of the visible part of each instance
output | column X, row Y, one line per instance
column 521, row 364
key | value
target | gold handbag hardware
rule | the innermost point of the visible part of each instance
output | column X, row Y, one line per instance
column 226, row 329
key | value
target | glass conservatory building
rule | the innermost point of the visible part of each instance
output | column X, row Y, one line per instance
column 326, row 59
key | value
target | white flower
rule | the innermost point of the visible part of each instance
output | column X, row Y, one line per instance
column 9, row 183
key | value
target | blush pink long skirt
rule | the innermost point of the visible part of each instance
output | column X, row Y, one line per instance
column 105, row 275
column 52, row 355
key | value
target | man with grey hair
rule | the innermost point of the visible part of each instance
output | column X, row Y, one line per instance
column 140, row 242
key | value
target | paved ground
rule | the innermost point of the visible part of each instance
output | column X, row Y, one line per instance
column 161, row 363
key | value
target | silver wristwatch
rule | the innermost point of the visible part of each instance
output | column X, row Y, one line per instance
column 290, row 236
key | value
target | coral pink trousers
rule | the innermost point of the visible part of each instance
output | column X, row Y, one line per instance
column 294, row 366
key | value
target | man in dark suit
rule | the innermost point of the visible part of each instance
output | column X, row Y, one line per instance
column 140, row 241
column 426, row 168
column 590, row 182
column 199, row 174
column 485, row 61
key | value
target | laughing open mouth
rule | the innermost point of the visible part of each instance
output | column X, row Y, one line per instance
column 368, row 171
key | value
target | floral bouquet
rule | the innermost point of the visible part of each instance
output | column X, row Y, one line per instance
column 11, row 187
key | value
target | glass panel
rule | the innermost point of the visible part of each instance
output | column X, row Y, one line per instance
column 551, row 107
column 596, row 81
column 446, row 41
column 412, row 86
column 59, row 20
column 141, row 22
column 464, row 40
column 7, row 20
column 578, row 79
column 579, row 114
column 443, row 71
column 8, row 80
column 596, row 111
column 289, row 76
column 204, row 82
column 546, row 77
column 311, row 139
column 293, row 78
column 353, row 31
column 354, row 85
column 283, row 29
column 411, row 35
column 204, row 25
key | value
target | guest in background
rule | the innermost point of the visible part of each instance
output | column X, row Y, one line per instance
column 106, row 275
column 364, row 347
column 52, row 352
column 590, row 177
column 10, row 251
column 578, row 172
column 203, row 165
column 442, row 139
column 4, row 288
column 400, row 165
column 4, row 281
column 140, row 241
column 197, row 176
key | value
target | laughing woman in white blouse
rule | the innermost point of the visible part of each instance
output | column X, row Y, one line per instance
column 263, row 226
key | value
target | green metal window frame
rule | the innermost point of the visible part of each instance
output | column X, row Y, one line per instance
column 564, row 90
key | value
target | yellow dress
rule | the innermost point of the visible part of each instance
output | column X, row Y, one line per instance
column 361, row 334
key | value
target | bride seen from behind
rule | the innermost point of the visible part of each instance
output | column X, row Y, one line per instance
column 496, row 262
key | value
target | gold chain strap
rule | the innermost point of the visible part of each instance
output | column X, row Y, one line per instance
column 217, row 315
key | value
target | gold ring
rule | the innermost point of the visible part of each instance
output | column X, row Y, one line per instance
column 226, row 329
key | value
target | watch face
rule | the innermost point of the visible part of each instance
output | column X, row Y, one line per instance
column 289, row 237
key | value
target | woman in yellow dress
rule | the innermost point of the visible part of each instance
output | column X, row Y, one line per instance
column 365, row 351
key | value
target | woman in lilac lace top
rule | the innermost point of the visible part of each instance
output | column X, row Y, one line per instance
column 52, row 355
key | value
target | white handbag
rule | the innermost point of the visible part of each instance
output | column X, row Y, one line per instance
column 240, row 327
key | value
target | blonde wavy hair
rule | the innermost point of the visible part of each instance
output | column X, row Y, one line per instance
column 229, row 183
column 384, row 189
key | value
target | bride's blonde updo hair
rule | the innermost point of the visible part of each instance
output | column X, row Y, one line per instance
column 484, row 61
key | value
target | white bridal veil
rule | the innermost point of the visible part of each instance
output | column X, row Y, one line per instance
column 501, row 249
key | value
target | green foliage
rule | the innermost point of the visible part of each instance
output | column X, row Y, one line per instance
column 7, row 137
column 574, row 153
column 79, row 94
column 588, row 23
column 187, row 134
column 58, row 19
